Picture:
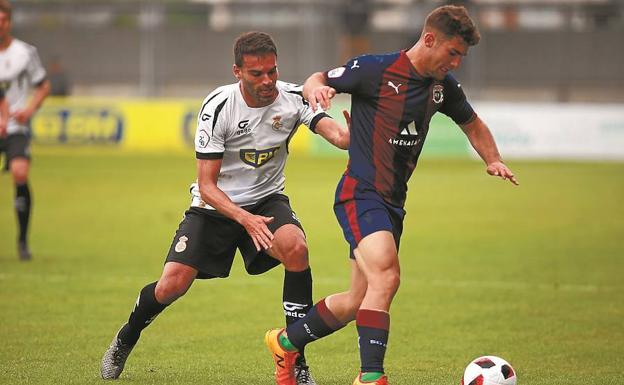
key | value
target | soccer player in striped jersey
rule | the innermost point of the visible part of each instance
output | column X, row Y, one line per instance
column 393, row 98
column 241, row 145
column 21, row 72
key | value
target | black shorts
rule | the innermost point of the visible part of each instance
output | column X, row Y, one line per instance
column 14, row 146
column 207, row 240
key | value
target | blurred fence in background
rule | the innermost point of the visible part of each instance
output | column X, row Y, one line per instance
column 551, row 51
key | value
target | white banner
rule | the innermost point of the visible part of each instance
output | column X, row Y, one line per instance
column 565, row 131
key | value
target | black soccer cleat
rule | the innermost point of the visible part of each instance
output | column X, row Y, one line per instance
column 23, row 251
column 115, row 358
column 302, row 373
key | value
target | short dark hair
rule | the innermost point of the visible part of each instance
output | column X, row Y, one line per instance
column 253, row 43
column 453, row 20
column 5, row 7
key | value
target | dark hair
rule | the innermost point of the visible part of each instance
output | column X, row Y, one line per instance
column 5, row 7
column 253, row 43
column 453, row 21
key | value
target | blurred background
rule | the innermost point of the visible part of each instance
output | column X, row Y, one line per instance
column 550, row 66
column 549, row 50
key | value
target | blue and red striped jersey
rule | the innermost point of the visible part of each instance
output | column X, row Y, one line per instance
column 391, row 107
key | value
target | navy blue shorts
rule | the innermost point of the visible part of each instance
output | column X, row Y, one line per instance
column 361, row 211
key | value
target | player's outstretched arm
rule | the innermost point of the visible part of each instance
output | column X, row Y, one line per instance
column 317, row 92
column 255, row 225
column 333, row 132
column 483, row 142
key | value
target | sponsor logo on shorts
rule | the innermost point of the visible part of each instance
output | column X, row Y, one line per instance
column 181, row 245
column 257, row 158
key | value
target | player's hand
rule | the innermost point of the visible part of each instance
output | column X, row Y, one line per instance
column 21, row 116
column 256, row 227
column 321, row 96
column 500, row 170
column 3, row 129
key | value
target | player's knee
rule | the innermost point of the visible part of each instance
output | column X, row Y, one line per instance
column 19, row 170
column 387, row 282
column 169, row 289
column 295, row 258
column 19, row 176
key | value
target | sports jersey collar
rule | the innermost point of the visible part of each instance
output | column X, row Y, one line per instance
column 411, row 66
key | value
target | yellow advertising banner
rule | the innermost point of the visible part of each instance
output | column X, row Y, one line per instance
column 128, row 124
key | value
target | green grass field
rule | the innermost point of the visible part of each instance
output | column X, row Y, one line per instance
column 532, row 274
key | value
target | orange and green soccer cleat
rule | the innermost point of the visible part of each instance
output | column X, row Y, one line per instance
column 383, row 380
column 283, row 359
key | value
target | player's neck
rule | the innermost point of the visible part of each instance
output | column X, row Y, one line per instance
column 417, row 57
column 251, row 101
column 6, row 42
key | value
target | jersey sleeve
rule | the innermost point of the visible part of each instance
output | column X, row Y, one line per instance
column 455, row 104
column 306, row 115
column 349, row 77
column 35, row 69
column 211, row 127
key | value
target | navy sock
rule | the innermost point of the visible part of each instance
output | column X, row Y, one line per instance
column 23, row 203
column 144, row 312
column 318, row 323
column 297, row 298
column 372, row 327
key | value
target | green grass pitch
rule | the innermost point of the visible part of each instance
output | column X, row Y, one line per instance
column 532, row 274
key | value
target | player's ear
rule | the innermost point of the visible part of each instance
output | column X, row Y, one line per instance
column 236, row 71
column 429, row 38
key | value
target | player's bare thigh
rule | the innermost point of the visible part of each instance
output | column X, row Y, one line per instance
column 290, row 248
column 174, row 282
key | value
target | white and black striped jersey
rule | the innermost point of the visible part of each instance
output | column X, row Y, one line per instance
column 253, row 142
column 20, row 70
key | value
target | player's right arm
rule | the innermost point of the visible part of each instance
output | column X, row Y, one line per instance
column 210, row 139
column 255, row 225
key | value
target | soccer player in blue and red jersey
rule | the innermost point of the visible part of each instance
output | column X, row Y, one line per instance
column 393, row 98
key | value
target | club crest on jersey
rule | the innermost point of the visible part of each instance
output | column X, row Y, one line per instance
column 257, row 158
column 438, row 93
column 202, row 138
column 277, row 123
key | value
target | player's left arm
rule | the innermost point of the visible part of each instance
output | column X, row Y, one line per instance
column 483, row 142
column 333, row 132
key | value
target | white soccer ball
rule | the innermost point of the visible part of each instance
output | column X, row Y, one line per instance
column 489, row 370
